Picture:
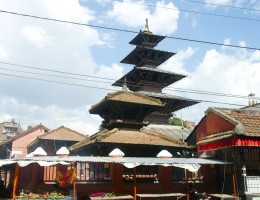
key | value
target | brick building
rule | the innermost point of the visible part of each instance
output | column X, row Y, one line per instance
column 232, row 135
column 9, row 130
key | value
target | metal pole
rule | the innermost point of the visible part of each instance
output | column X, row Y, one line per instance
column 242, row 158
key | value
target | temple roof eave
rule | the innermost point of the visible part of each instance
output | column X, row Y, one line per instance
column 125, row 98
column 140, row 54
column 133, row 77
column 148, row 38
column 172, row 102
column 128, row 136
column 167, row 96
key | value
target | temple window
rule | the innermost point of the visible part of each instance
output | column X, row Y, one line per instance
column 179, row 175
column 144, row 174
column 85, row 172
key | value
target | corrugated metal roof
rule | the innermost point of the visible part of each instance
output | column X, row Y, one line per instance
column 172, row 131
column 124, row 160
column 166, row 96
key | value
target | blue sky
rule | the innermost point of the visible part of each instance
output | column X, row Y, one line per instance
column 97, row 52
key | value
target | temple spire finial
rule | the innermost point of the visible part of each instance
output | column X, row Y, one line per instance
column 146, row 28
column 125, row 88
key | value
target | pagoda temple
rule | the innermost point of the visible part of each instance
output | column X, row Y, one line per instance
column 135, row 121
column 145, row 78
column 126, row 114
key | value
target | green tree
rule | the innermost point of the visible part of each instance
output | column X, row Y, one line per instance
column 177, row 122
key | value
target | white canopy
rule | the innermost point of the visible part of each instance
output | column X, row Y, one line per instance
column 191, row 164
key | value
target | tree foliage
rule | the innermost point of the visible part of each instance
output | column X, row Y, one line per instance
column 177, row 122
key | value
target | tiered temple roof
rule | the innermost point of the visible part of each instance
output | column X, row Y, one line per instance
column 125, row 109
column 148, row 80
column 127, row 113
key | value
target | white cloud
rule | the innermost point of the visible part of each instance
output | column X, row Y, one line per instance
column 256, row 56
column 37, row 35
column 3, row 53
column 125, row 13
column 177, row 62
column 114, row 72
column 212, row 4
column 67, row 11
column 160, row 21
column 242, row 43
column 222, row 72
column 103, row 2
column 226, row 42
column 52, row 116
column 67, row 48
column 194, row 22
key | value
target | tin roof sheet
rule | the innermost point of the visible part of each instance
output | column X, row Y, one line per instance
column 124, row 160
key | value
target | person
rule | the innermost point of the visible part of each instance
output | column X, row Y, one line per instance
column 2, row 185
column 3, row 192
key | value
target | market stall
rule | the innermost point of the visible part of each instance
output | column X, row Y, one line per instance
column 191, row 164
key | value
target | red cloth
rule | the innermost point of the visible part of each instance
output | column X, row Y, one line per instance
column 229, row 143
column 97, row 194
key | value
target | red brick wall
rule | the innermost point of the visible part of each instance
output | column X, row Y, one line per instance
column 21, row 144
column 212, row 123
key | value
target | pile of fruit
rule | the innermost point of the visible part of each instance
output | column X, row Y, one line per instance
column 46, row 195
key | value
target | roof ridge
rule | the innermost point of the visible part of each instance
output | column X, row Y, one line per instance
column 104, row 135
column 60, row 127
column 78, row 144
column 97, row 137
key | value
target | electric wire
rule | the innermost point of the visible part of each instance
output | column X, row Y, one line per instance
column 124, row 30
column 213, row 43
column 129, row 83
column 222, row 5
column 101, row 88
column 57, row 76
column 191, row 11
column 50, row 81
column 50, row 70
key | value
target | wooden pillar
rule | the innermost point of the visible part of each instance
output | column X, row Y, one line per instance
column 234, row 181
column 74, row 183
column 34, row 179
column 135, row 183
column 187, row 184
column 116, row 171
column 16, row 177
